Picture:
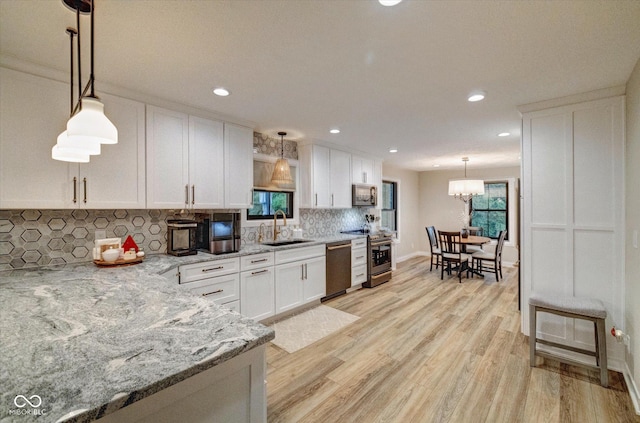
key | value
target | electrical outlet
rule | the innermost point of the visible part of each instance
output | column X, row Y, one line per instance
column 100, row 234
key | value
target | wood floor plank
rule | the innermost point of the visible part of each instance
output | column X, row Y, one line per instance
column 431, row 350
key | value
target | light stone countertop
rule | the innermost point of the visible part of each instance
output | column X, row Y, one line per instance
column 90, row 340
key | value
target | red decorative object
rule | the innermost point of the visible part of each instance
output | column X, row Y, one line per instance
column 129, row 244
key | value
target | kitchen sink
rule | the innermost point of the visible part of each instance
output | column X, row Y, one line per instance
column 290, row 242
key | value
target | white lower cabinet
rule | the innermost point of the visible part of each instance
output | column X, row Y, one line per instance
column 300, row 278
column 216, row 280
column 358, row 261
column 257, row 293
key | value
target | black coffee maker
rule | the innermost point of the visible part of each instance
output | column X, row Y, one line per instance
column 219, row 233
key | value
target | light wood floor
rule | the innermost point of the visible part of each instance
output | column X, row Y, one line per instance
column 426, row 350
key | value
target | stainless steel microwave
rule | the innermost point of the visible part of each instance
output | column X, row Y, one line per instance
column 364, row 195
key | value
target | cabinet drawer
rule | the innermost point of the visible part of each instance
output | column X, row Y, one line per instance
column 294, row 254
column 233, row 305
column 221, row 290
column 256, row 261
column 358, row 274
column 196, row 272
column 358, row 243
column 358, row 257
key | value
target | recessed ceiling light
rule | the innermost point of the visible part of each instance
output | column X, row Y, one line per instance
column 389, row 2
column 335, row 131
column 476, row 96
column 393, row 150
column 222, row 92
column 504, row 134
column 436, row 165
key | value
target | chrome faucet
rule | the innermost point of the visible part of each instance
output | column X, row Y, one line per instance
column 275, row 227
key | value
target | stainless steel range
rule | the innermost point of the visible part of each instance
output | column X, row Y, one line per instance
column 379, row 256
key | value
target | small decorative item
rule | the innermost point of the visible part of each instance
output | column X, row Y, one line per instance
column 129, row 243
column 465, row 218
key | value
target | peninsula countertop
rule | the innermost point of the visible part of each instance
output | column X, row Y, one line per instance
column 88, row 340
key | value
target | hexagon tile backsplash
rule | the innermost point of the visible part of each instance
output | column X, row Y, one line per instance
column 34, row 238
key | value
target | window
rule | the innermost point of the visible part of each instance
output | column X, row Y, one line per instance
column 491, row 210
column 389, row 215
column 266, row 203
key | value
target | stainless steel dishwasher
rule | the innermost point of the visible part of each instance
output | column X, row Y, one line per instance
column 338, row 268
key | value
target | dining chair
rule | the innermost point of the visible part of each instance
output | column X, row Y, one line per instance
column 475, row 231
column 433, row 244
column 484, row 261
column 451, row 251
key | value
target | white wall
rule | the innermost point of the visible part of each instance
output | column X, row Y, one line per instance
column 632, row 216
column 411, row 234
column 439, row 209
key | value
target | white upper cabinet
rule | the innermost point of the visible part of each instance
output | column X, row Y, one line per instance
column 340, row 179
column 116, row 178
column 197, row 163
column 362, row 170
column 238, row 160
column 33, row 112
column 206, row 163
column 325, row 177
column 167, row 158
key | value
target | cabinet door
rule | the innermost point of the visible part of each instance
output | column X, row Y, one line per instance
column 238, row 165
column 361, row 170
column 315, row 282
column 167, row 158
column 289, row 286
column 33, row 112
column 340, row 179
column 321, row 195
column 206, row 163
column 257, row 293
column 116, row 178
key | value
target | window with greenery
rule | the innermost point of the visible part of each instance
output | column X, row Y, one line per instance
column 266, row 203
column 491, row 210
column 389, row 215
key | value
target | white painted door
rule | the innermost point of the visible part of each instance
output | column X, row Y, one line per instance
column 33, row 112
column 315, row 279
column 340, row 177
column 289, row 286
column 257, row 293
column 167, row 159
column 573, row 233
column 238, row 143
column 206, row 163
column 116, row 178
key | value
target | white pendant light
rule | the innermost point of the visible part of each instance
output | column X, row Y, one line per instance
column 68, row 155
column 465, row 189
column 281, row 171
column 88, row 126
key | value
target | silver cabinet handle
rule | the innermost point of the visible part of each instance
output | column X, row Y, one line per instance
column 259, row 261
column 193, row 194
column 364, row 177
column 213, row 268
column 84, row 181
column 361, row 274
column 302, row 272
column 316, row 199
column 75, row 190
column 260, row 272
column 305, row 271
column 186, row 195
column 331, row 200
column 214, row 292
column 359, row 257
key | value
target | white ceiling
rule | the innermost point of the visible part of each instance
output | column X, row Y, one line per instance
column 386, row 76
